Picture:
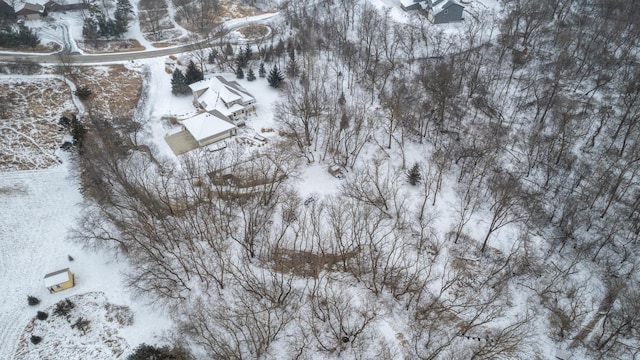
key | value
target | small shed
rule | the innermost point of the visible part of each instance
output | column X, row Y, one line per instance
column 59, row 280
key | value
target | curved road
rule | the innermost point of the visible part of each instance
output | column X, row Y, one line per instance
column 125, row 56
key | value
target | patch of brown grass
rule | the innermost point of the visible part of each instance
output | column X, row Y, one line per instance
column 15, row 189
column 306, row 263
column 116, row 89
column 29, row 131
column 41, row 48
column 254, row 31
column 110, row 46
column 229, row 9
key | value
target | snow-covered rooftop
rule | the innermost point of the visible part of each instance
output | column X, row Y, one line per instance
column 206, row 125
column 407, row 3
column 439, row 6
column 222, row 95
column 32, row 7
column 56, row 278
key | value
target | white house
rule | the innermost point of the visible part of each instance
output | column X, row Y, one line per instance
column 207, row 128
column 223, row 98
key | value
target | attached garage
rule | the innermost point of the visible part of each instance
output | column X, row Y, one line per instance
column 207, row 129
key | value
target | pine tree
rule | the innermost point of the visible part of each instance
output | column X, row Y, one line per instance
column 121, row 19
column 341, row 99
column 179, row 85
column 240, row 73
column 248, row 52
column 193, row 74
column 261, row 71
column 241, row 60
column 228, row 50
column 27, row 37
column 344, row 121
column 83, row 92
column 212, row 56
column 413, row 176
column 292, row 66
column 124, row 7
column 275, row 77
column 78, row 133
column 279, row 49
column 251, row 75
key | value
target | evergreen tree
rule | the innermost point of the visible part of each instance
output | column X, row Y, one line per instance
column 90, row 29
column 83, row 92
column 228, row 50
column 248, row 52
column 341, row 99
column 120, row 24
column 179, row 85
column 150, row 352
column 193, row 74
column 290, row 49
column 78, row 133
column 241, row 59
column 124, row 8
column 251, row 75
column 240, row 73
column 292, row 67
column 344, row 121
column 275, row 77
column 261, row 71
column 279, row 49
column 413, row 175
column 27, row 37
column 212, row 56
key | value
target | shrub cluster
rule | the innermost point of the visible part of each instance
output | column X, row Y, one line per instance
column 20, row 37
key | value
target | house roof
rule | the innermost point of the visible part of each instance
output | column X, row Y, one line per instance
column 441, row 5
column 31, row 8
column 408, row 3
column 205, row 125
column 220, row 93
column 56, row 277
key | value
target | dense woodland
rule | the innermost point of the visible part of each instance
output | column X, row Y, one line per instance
column 518, row 235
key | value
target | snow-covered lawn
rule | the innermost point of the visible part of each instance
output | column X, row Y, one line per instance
column 38, row 208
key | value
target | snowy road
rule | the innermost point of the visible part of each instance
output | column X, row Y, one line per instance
column 127, row 56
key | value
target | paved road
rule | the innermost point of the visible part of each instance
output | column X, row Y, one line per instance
column 96, row 58
column 126, row 56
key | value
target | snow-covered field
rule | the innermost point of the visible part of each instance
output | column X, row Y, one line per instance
column 38, row 208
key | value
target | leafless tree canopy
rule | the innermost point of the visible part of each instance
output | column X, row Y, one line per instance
column 523, row 231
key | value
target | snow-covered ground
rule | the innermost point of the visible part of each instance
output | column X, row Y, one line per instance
column 38, row 209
